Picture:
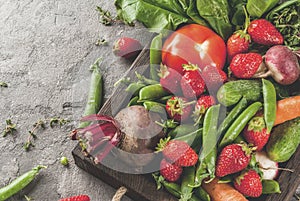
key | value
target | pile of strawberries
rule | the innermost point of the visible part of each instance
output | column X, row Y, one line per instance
column 245, row 64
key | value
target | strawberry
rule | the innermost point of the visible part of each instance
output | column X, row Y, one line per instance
column 77, row 198
column 127, row 47
column 237, row 43
column 170, row 172
column 246, row 65
column 264, row 32
column 213, row 77
column 170, row 79
column 203, row 103
column 179, row 109
column 178, row 152
column 249, row 184
column 192, row 84
column 256, row 132
column 233, row 158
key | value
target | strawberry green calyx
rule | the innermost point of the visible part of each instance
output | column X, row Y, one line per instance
column 162, row 144
column 190, row 67
column 248, row 150
column 256, row 124
column 164, row 72
column 176, row 106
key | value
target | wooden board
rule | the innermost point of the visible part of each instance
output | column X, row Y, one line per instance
column 143, row 187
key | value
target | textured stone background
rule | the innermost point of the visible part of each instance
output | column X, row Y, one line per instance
column 46, row 48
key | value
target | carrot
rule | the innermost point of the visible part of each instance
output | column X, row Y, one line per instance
column 222, row 192
column 287, row 109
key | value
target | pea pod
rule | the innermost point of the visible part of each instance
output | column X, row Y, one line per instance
column 164, row 99
column 187, row 180
column 269, row 95
column 19, row 183
column 182, row 130
column 208, row 154
column 202, row 194
column 238, row 125
column 270, row 186
column 155, row 56
column 145, row 80
column 95, row 96
column 173, row 188
column 133, row 101
column 154, row 107
column 134, row 88
column 233, row 114
column 193, row 138
column 152, row 92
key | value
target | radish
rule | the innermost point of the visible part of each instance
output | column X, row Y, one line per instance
column 266, row 165
column 282, row 64
column 133, row 130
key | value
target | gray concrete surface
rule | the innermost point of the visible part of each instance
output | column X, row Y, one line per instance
column 46, row 47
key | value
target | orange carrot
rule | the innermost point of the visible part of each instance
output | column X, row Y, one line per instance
column 222, row 192
column 287, row 109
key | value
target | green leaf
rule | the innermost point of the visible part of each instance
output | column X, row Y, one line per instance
column 216, row 13
column 257, row 8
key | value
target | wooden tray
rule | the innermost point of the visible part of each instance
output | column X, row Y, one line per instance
column 143, row 187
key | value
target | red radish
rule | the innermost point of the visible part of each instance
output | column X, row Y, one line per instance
column 266, row 165
column 282, row 65
column 133, row 130
column 127, row 47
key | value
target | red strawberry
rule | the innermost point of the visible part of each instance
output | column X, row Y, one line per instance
column 256, row 132
column 249, row 184
column 233, row 158
column 127, row 47
column 213, row 77
column 203, row 103
column 264, row 32
column 192, row 84
column 246, row 65
column 237, row 43
column 178, row 151
column 179, row 109
column 77, row 198
column 170, row 79
column 170, row 172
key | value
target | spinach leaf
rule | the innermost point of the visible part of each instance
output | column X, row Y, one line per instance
column 237, row 11
column 256, row 8
column 158, row 15
column 216, row 13
column 286, row 19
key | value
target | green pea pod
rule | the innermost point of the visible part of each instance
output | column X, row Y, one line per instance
column 239, row 139
column 187, row 180
column 238, row 125
column 154, row 107
column 182, row 130
column 258, row 8
column 152, row 92
column 173, row 188
column 134, row 88
column 208, row 154
column 270, row 186
column 164, row 99
column 95, row 95
column 269, row 95
column 155, row 56
column 233, row 114
column 133, row 101
column 193, row 138
column 202, row 194
column 19, row 183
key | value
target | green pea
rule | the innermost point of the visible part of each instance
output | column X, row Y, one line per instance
column 64, row 161
column 238, row 125
column 19, row 183
column 134, row 88
column 155, row 56
column 152, row 92
column 269, row 95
